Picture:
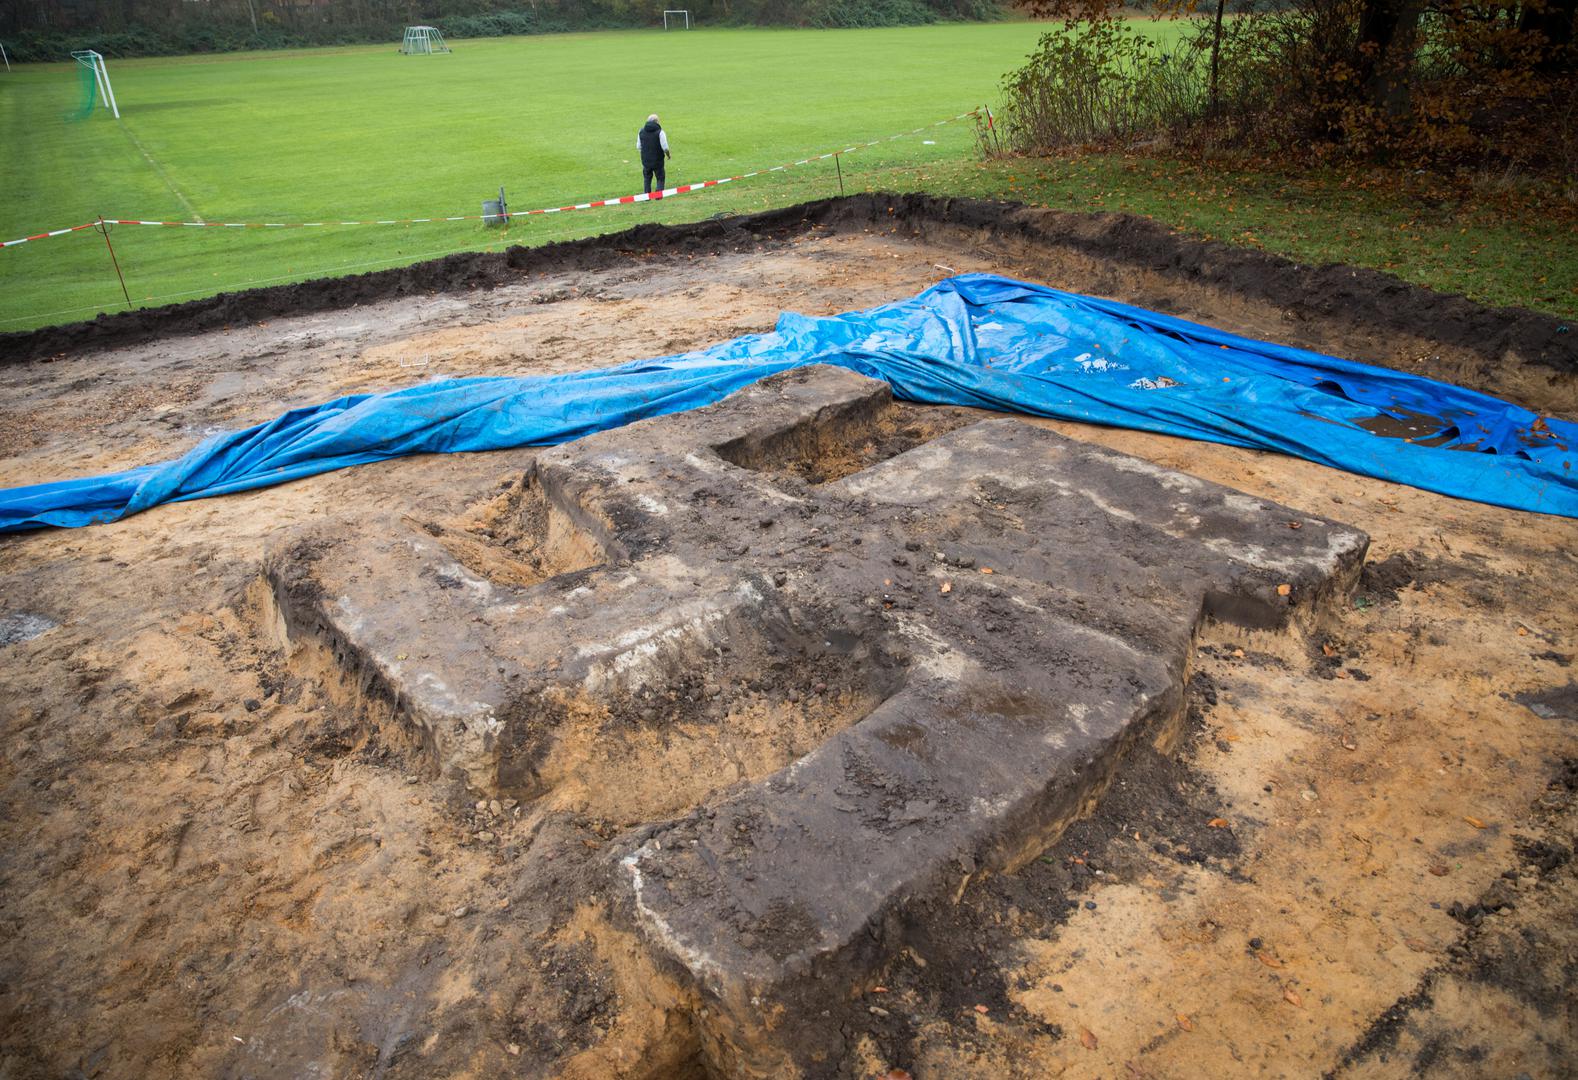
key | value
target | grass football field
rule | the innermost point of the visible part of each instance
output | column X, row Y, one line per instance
column 356, row 133
column 364, row 132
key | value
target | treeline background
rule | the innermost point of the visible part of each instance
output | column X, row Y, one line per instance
column 45, row 30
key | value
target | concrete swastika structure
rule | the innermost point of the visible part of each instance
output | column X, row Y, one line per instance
column 957, row 644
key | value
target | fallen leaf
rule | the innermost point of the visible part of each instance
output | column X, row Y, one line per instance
column 1087, row 1039
column 981, row 1009
column 1218, row 823
column 898, row 1074
column 1295, row 524
column 1328, row 650
column 1185, row 1023
column 1440, row 870
column 1292, row 997
column 879, row 989
column 1416, row 944
column 1283, row 590
column 1238, row 653
column 1474, row 821
column 987, row 570
column 1522, row 632
column 947, row 587
column 1349, row 744
column 1269, row 960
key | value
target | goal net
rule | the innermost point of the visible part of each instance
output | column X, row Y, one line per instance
column 423, row 40
column 676, row 19
column 95, row 78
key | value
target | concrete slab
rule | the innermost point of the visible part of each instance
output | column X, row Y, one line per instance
column 989, row 620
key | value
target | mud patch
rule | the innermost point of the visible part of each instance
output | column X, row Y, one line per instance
column 1560, row 703
column 23, row 626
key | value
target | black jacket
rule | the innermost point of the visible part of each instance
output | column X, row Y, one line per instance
column 651, row 145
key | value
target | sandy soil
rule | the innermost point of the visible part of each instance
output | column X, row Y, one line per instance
column 1358, row 864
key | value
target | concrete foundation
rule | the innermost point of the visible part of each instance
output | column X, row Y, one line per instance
column 986, row 623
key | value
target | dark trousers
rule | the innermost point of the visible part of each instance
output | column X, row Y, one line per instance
column 647, row 175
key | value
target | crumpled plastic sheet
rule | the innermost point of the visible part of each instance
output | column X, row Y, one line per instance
column 977, row 340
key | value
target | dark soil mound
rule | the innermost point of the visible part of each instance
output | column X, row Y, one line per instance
column 1360, row 295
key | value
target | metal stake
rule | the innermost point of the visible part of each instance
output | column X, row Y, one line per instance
column 104, row 229
column 840, row 167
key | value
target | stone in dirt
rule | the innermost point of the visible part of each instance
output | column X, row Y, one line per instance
column 995, row 615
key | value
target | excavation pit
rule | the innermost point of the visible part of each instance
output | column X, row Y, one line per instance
column 254, row 835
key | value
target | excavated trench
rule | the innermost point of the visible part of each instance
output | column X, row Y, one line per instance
column 1367, row 297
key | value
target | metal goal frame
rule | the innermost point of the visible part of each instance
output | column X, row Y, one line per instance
column 423, row 41
column 676, row 11
column 89, row 58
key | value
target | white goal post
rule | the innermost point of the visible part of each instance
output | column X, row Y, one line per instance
column 101, row 75
column 676, row 15
column 423, row 41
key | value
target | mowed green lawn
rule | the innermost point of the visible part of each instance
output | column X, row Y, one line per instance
column 365, row 132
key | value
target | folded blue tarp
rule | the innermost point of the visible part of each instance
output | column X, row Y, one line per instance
column 975, row 340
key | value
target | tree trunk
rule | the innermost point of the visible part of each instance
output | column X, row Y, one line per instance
column 1216, row 51
column 1553, row 20
column 1388, row 35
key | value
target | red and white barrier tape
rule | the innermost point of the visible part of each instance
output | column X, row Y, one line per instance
column 53, row 232
column 622, row 200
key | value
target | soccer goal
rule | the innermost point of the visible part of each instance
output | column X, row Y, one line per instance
column 95, row 82
column 422, row 41
column 676, row 19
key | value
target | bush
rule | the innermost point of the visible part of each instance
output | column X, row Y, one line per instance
column 1466, row 84
column 1100, row 81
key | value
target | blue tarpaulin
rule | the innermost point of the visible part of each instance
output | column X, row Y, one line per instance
column 976, row 339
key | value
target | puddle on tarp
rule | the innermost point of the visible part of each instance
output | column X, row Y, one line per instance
column 23, row 626
column 1424, row 429
column 1419, row 428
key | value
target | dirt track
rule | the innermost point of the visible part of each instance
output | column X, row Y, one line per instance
column 212, row 868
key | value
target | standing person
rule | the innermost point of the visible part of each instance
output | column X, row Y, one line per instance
column 652, row 141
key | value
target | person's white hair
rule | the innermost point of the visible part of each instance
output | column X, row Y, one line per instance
column 652, row 117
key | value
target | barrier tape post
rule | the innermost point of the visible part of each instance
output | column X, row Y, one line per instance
column 991, row 130
column 104, row 229
column 839, row 165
